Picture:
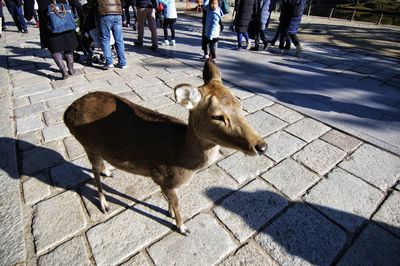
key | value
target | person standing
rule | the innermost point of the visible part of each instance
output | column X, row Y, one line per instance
column 245, row 9
column 212, row 29
column 297, row 13
column 109, row 13
column 127, row 22
column 170, row 17
column 59, row 44
column 15, row 9
column 2, row 21
column 146, row 9
column 262, row 18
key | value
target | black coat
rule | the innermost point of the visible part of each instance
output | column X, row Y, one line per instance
column 245, row 10
column 55, row 42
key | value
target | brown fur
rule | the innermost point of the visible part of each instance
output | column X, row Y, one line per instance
column 138, row 140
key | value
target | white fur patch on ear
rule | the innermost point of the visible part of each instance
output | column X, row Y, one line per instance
column 187, row 96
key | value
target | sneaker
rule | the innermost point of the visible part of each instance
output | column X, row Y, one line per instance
column 122, row 66
column 126, row 25
column 134, row 27
column 137, row 43
column 298, row 50
column 204, row 57
column 25, row 31
column 165, row 43
column 106, row 67
column 266, row 46
column 172, row 43
column 248, row 45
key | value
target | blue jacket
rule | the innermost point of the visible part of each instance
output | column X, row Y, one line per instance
column 212, row 28
column 264, row 12
column 169, row 8
column 298, row 10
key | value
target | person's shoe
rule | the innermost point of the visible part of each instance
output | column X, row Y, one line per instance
column 25, row 31
column 71, row 72
column 37, row 24
column 106, row 67
column 64, row 74
column 172, row 43
column 134, row 27
column 165, row 43
column 255, row 48
column 266, row 46
column 124, row 24
column 204, row 57
column 122, row 66
column 298, row 50
column 248, row 45
column 4, row 27
column 154, row 47
column 137, row 43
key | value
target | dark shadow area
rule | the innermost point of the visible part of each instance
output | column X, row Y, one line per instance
column 50, row 167
column 308, row 231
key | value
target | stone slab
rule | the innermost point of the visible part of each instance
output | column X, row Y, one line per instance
column 248, row 209
column 207, row 244
column 284, row 113
column 282, row 145
column 302, row 236
column 50, row 95
column 73, row 147
column 374, row 246
column 137, row 260
column 378, row 167
column 55, row 132
column 243, row 168
column 255, row 103
column 36, row 189
column 388, row 214
column 31, row 89
column 176, row 111
column 54, row 116
column 152, row 91
column 264, row 123
column 249, row 254
column 291, row 178
column 240, row 93
column 307, row 129
column 120, row 237
column 57, row 219
column 29, row 123
column 29, row 110
column 345, row 199
column 320, row 156
column 341, row 140
column 70, row 253
column 157, row 103
column 70, row 174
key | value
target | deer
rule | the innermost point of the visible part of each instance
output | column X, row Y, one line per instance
column 142, row 141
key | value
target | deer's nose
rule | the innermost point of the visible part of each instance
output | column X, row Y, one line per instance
column 261, row 147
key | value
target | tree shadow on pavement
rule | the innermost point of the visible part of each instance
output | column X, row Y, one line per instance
column 297, row 233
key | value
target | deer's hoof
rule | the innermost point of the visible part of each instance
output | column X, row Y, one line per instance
column 183, row 230
column 107, row 173
column 104, row 207
column 171, row 214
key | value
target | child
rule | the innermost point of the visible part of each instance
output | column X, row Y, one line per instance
column 212, row 28
column 170, row 16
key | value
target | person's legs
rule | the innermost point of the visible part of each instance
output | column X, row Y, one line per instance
column 205, row 41
column 58, row 58
column 11, row 6
column 104, row 28
column 213, row 48
column 294, row 39
column 172, row 28
column 127, row 16
column 151, row 19
column 141, row 12
column 21, row 18
column 119, row 40
column 165, row 28
column 134, row 17
column 69, row 57
column 239, row 39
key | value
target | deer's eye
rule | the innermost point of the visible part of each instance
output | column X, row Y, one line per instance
column 220, row 118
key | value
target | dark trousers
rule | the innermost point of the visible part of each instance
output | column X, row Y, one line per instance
column 212, row 44
column 16, row 13
column 294, row 39
column 171, row 23
column 127, row 14
column 260, row 34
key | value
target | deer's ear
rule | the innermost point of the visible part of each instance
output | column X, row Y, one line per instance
column 187, row 96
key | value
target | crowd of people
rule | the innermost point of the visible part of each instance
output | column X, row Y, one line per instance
column 101, row 23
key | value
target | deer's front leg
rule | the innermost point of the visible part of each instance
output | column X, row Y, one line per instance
column 172, row 198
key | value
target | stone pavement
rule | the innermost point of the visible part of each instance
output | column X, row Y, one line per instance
column 318, row 196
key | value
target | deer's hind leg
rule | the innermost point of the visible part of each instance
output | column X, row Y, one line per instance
column 97, row 167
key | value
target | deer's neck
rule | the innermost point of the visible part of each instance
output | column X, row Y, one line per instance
column 199, row 153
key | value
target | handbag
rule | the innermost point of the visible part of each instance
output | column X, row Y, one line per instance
column 226, row 9
column 60, row 17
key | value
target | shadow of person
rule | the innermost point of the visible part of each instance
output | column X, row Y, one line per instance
column 298, row 233
column 50, row 167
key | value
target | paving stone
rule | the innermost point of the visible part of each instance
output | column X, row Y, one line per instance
column 240, row 93
column 70, row 174
column 36, row 189
column 25, row 87
column 137, row 260
column 256, row 103
column 116, row 88
column 50, row 95
column 166, row 77
column 54, row 116
column 129, row 95
column 157, row 103
column 122, row 190
column 120, row 237
column 320, row 156
column 264, row 123
column 302, row 236
column 291, row 178
column 341, row 140
column 91, row 86
column 282, row 145
column 153, row 91
column 374, row 246
column 243, row 167
column 29, row 110
column 344, row 198
column 57, row 219
column 28, row 123
column 245, row 211
column 388, row 214
column 203, row 190
column 307, row 129
column 207, row 244
column 176, row 111
column 249, row 255
column 63, row 101
column 378, row 167
column 141, row 83
column 284, row 113
column 55, row 132
column 73, row 147
column 70, row 253
column 194, row 81
column 22, row 101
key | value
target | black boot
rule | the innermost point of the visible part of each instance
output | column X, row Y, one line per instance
column 69, row 56
column 57, row 56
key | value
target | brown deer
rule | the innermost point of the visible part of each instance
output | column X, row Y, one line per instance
column 141, row 141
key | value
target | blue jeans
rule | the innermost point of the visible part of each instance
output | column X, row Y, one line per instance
column 112, row 23
column 17, row 15
column 240, row 36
